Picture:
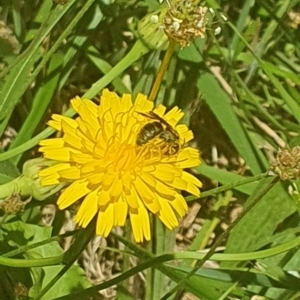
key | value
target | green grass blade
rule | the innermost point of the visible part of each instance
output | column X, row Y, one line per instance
column 220, row 105
column 40, row 102
column 104, row 67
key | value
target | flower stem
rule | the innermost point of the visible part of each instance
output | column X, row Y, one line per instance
column 229, row 186
column 161, row 72
column 31, row 263
column 7, row 189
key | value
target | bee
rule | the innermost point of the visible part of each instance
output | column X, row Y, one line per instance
column 161, row 129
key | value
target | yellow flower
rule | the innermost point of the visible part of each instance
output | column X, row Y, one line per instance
column 99, row 155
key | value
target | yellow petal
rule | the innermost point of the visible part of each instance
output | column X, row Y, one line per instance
column 76, row 102
column 72, row 173
column 59, row 154
column 187, row 182
column 79, row 104
column 73, row 140
column 132, row 198
column 165, row 190
column 109, row 101
column 81, row 158
column 148, row 196
column 116, row 188
column 107, row 181
column 53, row 169
column 105, row 221
column 188, row 158
column 165, row 172
column 179, row 205
column 185, row 134
column 87, row 132
column 126, row 179
column 191, row 179
column 56, row 122
column 95, row 178
column 90, row 166
column 104, row 198
column 167, row 215
column 72, row 193
column 88, row 209
column 160, row 110
column 120, row 212
column 173, row 116
column 91, row 122
column 125, row 103
column 140, row 224
column 51, row 143
column 142, row 104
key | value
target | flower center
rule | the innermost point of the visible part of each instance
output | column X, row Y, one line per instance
column 125, row 158
column 121, row 157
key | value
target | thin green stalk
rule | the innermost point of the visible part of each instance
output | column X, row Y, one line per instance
column 162, row 70
column 31, row 263
column 23, row 249
column 229, row 186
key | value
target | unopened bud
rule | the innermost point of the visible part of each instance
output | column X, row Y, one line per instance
column 28, row 183
column 150, row 31
column 287, row 164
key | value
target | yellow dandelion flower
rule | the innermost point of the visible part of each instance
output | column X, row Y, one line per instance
column 116, row 175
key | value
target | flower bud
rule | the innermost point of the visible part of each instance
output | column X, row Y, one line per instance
column 29, row 183
column 287, row 164
column 185, row 20
column 150, row 31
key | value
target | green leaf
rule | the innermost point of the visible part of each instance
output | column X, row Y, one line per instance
column 245, row 276
column 262, row 220
column 40, row 102
column 192, row 52
column 202, row 286
column 220, row 105
column 73, row 280
column 105, row 67
column 16, row 84
column 8, row 171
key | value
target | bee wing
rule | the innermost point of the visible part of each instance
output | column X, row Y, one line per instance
column 154, row 116
column 146, row 115
column 157, row 117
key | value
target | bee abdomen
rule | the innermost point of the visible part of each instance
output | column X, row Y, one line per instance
column 149, row 132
